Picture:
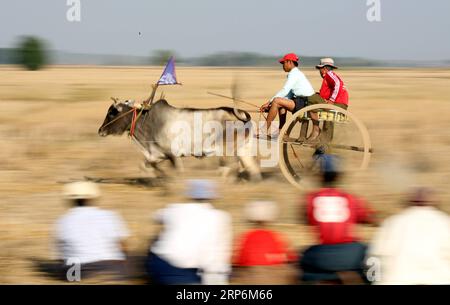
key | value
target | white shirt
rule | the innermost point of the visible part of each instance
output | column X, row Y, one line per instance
column 296, row 84
column 196, row 235
column 414, row 247
column 90, row 234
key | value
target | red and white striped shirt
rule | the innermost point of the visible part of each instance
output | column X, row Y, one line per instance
column 333, row 89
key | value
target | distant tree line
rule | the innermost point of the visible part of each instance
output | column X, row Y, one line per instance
column 32, row 53
column 248, row 59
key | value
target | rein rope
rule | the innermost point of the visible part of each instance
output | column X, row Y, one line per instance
column 119, row 117
column 136, row 116
column 261, row 113
column 133, row 120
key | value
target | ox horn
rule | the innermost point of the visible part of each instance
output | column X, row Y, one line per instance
column 116, row 100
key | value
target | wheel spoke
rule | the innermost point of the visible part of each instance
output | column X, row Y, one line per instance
column 348, row 139
column 296, row 157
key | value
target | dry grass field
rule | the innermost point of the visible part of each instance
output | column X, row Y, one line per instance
column 48, row 132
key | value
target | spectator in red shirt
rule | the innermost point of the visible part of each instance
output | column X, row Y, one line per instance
column 334, row 214
column 261, row 251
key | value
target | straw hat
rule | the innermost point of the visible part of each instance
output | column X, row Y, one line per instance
column 264, row 211
column 81, row 190
column 327, row 61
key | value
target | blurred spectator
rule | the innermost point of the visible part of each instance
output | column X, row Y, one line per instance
column 195, row 244
column 414, row 246
column 93, row 237
column 261, row 251
column 334, row 214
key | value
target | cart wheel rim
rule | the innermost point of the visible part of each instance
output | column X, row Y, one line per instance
column 361, row 127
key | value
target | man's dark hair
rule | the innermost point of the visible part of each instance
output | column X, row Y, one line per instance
column 201, row 200
column 295, row 63
column 81, row 202
column 329, row 178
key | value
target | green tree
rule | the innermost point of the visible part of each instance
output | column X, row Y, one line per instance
column 160, row 57
column 31, row 53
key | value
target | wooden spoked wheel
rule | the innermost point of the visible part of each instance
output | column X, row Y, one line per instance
column 342, row 134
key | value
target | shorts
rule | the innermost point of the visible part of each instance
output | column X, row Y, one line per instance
column 162, row 272
column 316, row 99
column 303, row 101
column 343, row 106
column 300, row 102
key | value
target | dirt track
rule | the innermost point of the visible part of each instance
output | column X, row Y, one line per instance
column 48, row 131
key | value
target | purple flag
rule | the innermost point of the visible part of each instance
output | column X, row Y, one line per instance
column 169, row 77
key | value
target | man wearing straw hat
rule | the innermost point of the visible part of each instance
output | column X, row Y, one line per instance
column 332, row 91
column 90, row 236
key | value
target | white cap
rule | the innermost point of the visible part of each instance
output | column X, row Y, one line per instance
column 81, row 190
column 201, row 189
column 261, row 211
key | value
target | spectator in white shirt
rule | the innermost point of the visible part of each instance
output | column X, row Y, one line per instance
column 92, row 237
column 195, row 244
column 413, row 247
column 292, row 97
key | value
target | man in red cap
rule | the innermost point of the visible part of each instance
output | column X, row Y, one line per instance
column 292, row 96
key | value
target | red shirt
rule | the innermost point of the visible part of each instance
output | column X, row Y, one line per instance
column 262, row 247
column 333, row 89
column 335, row 213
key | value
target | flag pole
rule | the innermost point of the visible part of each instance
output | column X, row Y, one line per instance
column 152, row 96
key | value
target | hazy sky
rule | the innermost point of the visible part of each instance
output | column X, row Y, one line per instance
column 409, row 29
